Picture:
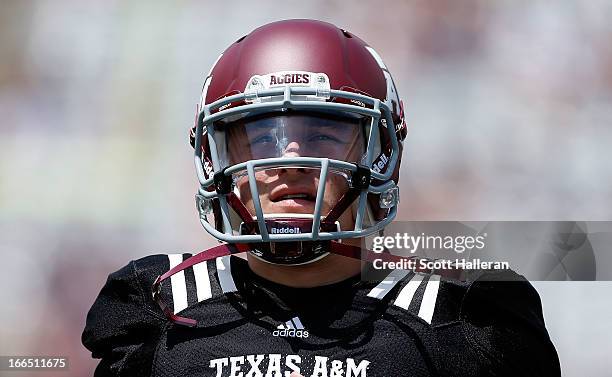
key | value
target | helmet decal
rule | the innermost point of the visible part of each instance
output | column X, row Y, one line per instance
column 379, row 60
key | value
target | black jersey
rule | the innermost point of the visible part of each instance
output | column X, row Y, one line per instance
column 406, row 324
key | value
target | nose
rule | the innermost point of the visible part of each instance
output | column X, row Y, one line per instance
column 293, row 150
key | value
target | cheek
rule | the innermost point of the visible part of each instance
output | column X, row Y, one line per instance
column 244, row 192
column 335, row 187
column 244, row 189
column 347, row 219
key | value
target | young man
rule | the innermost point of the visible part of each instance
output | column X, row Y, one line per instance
column 298, row 143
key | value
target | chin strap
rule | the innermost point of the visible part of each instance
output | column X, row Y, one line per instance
column 350, row 251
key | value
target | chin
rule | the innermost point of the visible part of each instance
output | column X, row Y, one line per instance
column 294, row 209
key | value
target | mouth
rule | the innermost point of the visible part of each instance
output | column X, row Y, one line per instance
column 293, row 196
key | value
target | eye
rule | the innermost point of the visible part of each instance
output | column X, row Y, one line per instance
column 322, row 137
column 263, row 139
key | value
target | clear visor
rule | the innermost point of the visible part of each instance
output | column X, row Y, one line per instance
column 342, row 138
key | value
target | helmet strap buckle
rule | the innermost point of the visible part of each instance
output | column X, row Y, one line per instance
column 361, row 178
column 223, row 183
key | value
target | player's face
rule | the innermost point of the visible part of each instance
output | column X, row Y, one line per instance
column 294, row 190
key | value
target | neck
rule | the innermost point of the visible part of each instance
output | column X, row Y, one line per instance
column 328, row 270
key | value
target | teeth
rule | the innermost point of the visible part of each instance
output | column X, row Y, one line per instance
column 295, row 196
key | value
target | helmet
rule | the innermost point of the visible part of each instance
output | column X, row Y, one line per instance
column 271, row 86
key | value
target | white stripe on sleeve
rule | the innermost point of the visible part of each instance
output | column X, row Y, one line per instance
column 224, row 270
column 387, row 284
column 202, row 280
column 404, row 298
column 179, row 289
column 430, row 296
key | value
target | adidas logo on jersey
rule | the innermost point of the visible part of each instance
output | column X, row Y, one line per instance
column 293, row 328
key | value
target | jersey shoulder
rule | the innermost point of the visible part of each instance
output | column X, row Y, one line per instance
column 124, row 323
column 440, row 300
column 496, row 314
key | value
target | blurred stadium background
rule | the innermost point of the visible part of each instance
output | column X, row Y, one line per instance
column 508, row 105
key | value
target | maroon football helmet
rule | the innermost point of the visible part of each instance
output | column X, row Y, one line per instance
column 290, row 83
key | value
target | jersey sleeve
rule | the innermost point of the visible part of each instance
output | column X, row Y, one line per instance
column 123, row 324
column 503, row 322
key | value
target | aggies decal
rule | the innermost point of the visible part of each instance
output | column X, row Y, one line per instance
column 290, row 78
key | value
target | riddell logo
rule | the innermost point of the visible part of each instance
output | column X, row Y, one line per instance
column 208, row 169
column 380, row 163
column 293, row 328
column 290, row 78
column 358, row 102
column 285, row 230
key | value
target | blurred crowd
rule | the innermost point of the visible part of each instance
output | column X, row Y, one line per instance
column 507, row 103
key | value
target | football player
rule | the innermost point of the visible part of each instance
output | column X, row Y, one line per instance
column 298, row 142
